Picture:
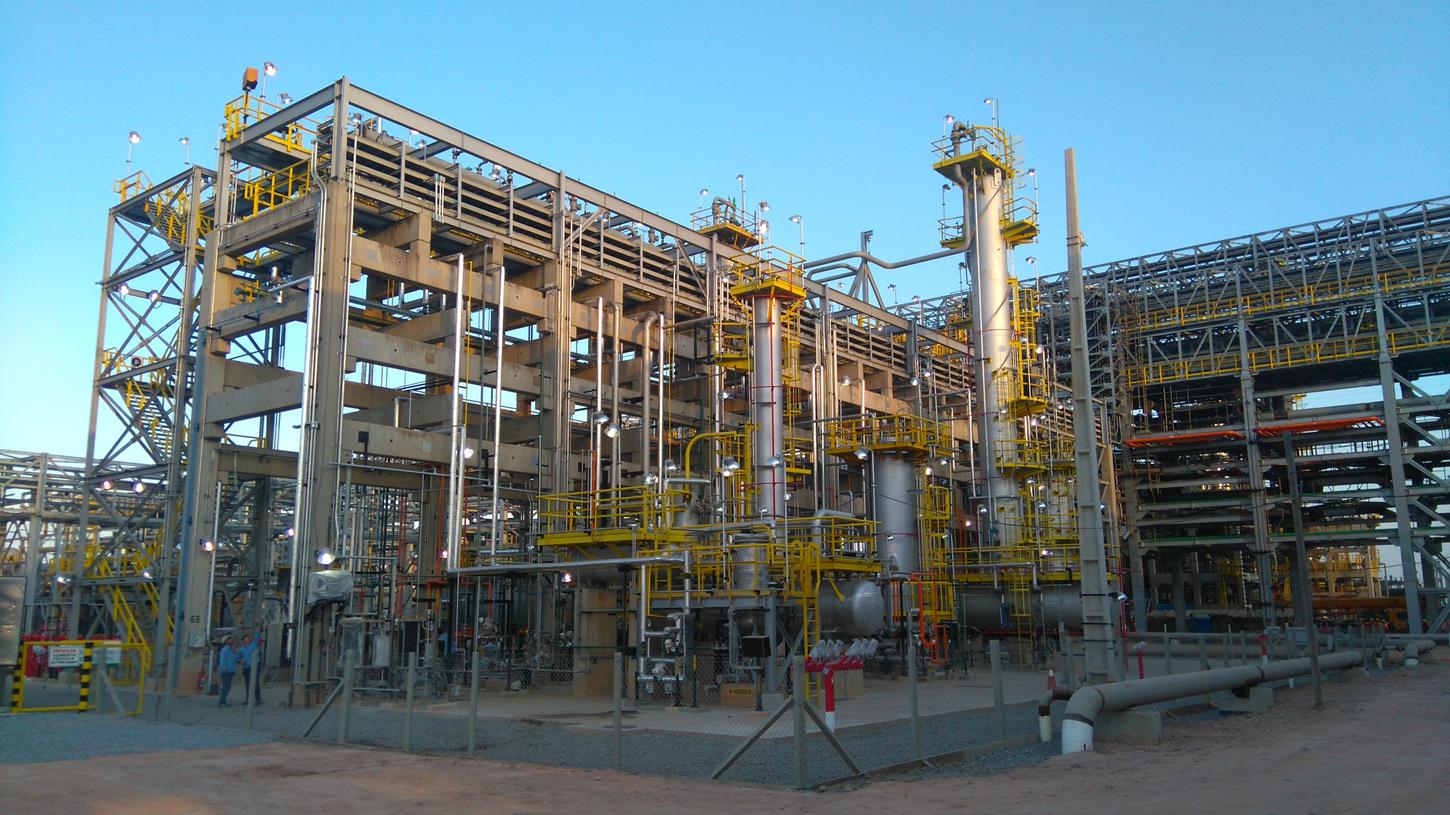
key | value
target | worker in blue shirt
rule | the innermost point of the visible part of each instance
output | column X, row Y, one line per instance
column 226, row 668
column 252, row 647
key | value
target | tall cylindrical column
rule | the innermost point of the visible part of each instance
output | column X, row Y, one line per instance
column 991, row 301
column 767, row 398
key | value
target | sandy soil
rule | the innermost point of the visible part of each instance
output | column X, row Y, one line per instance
column 1380, row 745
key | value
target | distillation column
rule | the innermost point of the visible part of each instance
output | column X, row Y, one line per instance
column 991, row 298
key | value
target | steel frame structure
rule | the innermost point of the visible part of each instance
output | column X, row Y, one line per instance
column 1206, row 354
column 366, row 270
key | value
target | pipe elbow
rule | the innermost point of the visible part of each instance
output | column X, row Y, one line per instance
column 1083, row 708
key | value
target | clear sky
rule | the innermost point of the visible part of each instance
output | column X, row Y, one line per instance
column 1191, row 121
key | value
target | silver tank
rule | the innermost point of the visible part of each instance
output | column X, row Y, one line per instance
column 857, row 611
column 894, row 509
column 981, row 608
column 750, row 568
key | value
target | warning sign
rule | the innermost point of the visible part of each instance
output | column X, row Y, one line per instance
column 65, row 656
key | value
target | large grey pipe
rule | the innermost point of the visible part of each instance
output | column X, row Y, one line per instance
column 1414, row 648
column 1091, row 700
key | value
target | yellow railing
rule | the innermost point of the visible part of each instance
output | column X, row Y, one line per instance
column 1020, row 454
column 171, row 215
column 246, row 110
column 1289, row 356
column 1254, row 303
column 644, row 508
column 274, row 189
column 725, row 212
column 891, row 432
column 132, row 185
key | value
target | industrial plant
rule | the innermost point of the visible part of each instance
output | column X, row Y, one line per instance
column 401, row 403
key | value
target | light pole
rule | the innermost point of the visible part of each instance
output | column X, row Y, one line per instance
column 185, row 142
column 946, row 123
column 268, row 69
column 796, row 219
column 132, row 139
column 995, row 105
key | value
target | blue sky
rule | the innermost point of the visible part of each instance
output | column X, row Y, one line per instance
column 1191, row 121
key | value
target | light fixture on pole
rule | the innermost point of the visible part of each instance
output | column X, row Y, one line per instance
column 946, row 123
column 185, row 142
column 991, row 101
column 800, row 224
column 285, row 99
column 268, row 69
column 704, row 193
column 132, row 139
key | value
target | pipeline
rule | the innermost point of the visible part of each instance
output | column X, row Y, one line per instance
column 1414, row 648
column 1088, row 702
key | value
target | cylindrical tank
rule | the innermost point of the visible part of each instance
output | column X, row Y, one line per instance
column 749, row 563
column 853, row 608
column 982, row 608
column 894, row 510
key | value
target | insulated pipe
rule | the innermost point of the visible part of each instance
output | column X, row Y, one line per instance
column 644, row 440
column 614, row 402
column 660, row 424
column 568, row 566
column 497, row 417
column 817, row 388
column 1044, row 711
column 1088, row 702
column 1413, row 650
column 455, row 457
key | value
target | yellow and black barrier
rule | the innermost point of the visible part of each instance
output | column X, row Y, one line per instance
column 78, row 655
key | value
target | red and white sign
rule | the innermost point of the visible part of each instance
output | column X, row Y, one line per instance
column 66, row 656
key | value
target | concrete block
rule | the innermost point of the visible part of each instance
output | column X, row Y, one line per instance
column 1135, row 726
column 1258, row 699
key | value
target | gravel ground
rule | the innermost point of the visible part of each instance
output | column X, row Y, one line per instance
column 35, row 737
column 538, row 741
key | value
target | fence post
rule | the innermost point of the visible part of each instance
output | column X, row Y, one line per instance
column 998, row 698
column 473, row 705
column 87, row 667
column 798, row 716
column 342, row 723
column 618, row 710
column 408, row 712
column 911, row 701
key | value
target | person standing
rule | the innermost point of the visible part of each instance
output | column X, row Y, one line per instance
column 252, row 648
column 226, row 668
